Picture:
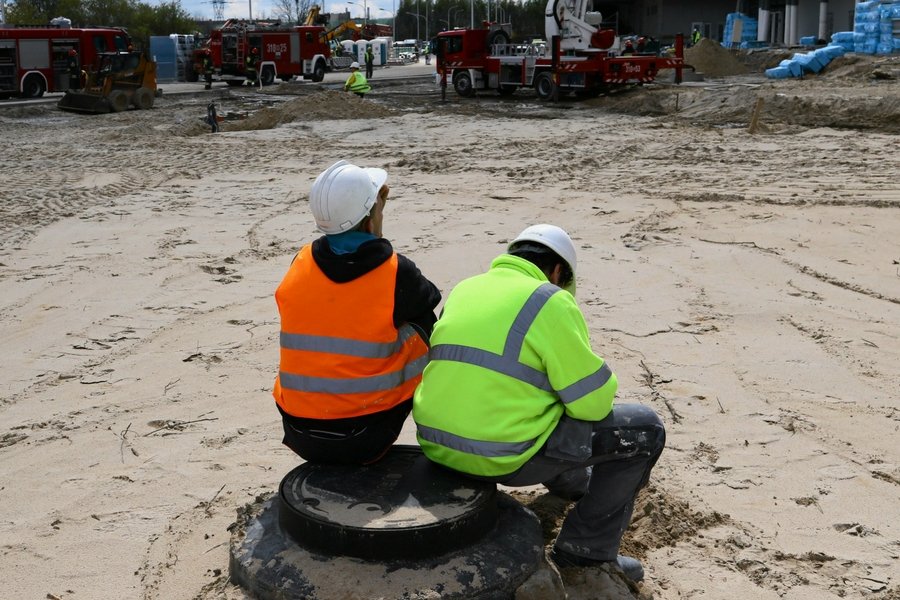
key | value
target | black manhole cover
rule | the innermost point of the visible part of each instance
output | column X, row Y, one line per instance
column 401, row 507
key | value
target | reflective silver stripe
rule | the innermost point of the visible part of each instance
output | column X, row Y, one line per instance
column 586, row 385
column 470, row 446
column 356, row 385
column 347, row 347
column 494, row 362
column 528, row 313
column 507, row 363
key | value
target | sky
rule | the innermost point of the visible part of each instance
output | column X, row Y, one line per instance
column 240, row 9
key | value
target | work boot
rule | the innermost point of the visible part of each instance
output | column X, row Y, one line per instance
column 631, row 567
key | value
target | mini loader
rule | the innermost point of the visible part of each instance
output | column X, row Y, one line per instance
column 119, row 80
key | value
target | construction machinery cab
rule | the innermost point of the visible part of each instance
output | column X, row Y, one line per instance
column 118, row 80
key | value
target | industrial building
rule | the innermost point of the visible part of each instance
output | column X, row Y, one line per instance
column 780, row 22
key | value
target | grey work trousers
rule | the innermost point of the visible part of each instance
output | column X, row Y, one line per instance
column 608, row 460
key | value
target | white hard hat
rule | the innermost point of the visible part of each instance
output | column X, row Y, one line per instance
column 354, row 65
column 554, row 238
column 343, row 195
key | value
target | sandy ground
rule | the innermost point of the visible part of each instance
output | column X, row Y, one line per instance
column 746, row 286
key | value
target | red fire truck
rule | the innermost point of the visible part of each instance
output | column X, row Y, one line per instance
column 581, row 57
column 34, row 60
column 284, row 51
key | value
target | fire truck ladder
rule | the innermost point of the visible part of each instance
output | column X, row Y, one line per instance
column 529, row 68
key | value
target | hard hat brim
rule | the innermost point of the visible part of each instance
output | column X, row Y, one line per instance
column 379, row 176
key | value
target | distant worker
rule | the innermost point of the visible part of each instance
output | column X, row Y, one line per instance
column 641, row 45
column 251, row 66
column 73, row 70
column 207, row 65
column 355, row 321
column 212, row 118
column 370, row 62
column 695, row 36
column 357, row 82
column 628, row 50
column 514, row 394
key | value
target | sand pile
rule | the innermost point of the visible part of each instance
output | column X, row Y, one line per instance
column 713, row 60
column 318, row 106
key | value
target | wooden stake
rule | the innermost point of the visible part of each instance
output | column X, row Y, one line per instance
column 754, row 120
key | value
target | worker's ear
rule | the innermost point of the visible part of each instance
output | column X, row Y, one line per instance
column 556, row 274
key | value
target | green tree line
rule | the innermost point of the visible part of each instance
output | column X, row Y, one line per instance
column 140, row 19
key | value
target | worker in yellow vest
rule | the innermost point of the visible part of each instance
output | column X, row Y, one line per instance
column 514, row 394
column 355, row 321
column 357, row 83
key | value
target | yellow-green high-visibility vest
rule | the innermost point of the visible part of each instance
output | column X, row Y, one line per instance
column 510, row 355
column 359, row 85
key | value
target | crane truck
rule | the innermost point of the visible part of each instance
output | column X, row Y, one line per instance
column 582, row 57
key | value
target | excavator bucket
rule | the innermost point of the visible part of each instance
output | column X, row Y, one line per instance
column 84, row 102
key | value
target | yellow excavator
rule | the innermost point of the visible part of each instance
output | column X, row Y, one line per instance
column 119, row 80
column 312, row 17
column 345, row 26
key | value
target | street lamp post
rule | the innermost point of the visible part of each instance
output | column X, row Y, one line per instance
column 417, row 23
column 394, row 20
column 418, row 16
column 451, row 11
column 365, row 10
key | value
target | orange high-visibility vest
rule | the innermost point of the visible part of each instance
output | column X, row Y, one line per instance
column 341, row 355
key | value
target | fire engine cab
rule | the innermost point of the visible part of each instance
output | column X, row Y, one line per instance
column 284, row 51
column 34, row 60
column 582, row 57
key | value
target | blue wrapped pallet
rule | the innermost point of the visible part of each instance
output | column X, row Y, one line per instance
column 792, row 66
column 842, row 37
column 830, row 52
column 749, row 29
column 864, row 7
column 808, row 62
column 778, row 73
column 808, row 40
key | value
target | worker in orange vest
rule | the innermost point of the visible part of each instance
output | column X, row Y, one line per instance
column 355, row 321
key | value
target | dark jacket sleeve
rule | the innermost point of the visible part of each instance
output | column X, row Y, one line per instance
column 415, row 298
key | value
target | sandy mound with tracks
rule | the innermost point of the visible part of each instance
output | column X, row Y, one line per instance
column 745, row 286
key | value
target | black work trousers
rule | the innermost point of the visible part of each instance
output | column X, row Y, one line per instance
column 609, row 461
column 354, row 441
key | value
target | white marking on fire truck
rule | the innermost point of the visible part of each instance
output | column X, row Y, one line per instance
column 276, row 48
